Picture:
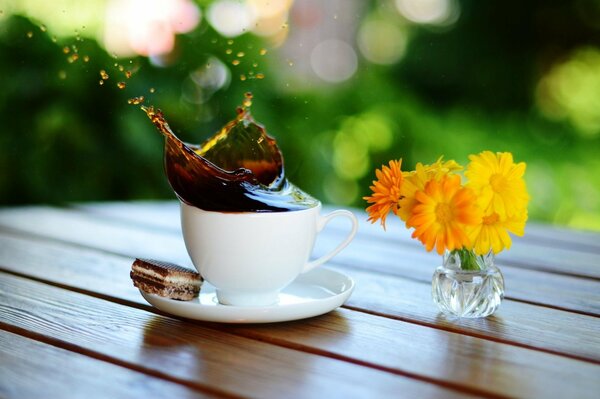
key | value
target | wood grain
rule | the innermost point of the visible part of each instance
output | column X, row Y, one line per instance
column 45, row 220
column 161, row 214
column 378, row 342
column 517, row 323
column 390, row 336
column 32, row 369
column 567, row 293
column 520, row 324
column 558, row 291
column 189, row 352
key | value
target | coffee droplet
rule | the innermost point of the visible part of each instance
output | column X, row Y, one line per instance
column 86, row 58
column 235, row 62
column 255, row 64
column 230, row 42
column 72, row 58
column 30, row 34
column 103, row 74
column 260, row 76
column 128, row 74
column 43, row 28
column 247, row 100
column 66, row 50
column 263, row 51
column 121, row 85
column 100, row 82
column 241, row 54
column 121, row 68
column 136, row 100
column 152, row 90
column 242, row 77
column 228, row 51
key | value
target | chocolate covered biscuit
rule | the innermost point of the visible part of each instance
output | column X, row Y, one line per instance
column 165, row 279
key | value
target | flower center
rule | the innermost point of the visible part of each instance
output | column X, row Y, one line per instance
column 443, row 213
column 498, row 182
column 491, row 219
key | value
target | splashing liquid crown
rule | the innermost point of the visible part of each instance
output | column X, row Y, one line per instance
column 239, row 169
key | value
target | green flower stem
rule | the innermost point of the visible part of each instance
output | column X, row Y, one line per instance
column 468, row 259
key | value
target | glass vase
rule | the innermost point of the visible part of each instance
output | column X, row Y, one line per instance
column 467, row 285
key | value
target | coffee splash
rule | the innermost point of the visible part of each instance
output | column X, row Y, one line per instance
column 239, row 169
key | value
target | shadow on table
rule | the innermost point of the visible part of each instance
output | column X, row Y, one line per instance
column 315, row 331
column 159, row 333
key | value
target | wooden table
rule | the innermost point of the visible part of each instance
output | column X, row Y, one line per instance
column 73, row 325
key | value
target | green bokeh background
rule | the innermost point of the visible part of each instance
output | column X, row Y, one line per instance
column 456, row 91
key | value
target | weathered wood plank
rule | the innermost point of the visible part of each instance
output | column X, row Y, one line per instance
column 191, row 352
column 537, row 234
column 521, row 324
column 395, row 243
column 32, row 369
column 562, row 292
column 392, row 345
column 518, row 323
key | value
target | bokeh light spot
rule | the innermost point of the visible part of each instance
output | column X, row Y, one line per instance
column 434, row 12
column 571, row 90
column 334, row 60
column 381, row 42
column 230, row 18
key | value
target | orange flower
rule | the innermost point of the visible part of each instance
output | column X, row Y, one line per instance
column 386, row 192
column 415, row 180
column 442, row 211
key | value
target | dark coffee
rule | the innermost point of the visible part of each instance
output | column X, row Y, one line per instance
column 239, row 169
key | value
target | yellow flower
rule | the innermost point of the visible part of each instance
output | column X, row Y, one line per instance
column 415, row 180
column 498, row 182
column 492, row 232
column 442, row 211
column 386, row 192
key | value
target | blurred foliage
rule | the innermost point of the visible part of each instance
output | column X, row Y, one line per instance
column 458, row 90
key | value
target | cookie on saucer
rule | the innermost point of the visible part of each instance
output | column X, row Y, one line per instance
column 165, row 279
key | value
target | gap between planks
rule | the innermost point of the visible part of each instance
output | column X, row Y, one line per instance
column 291, row 345
column 536, row 237
column 60, row 343
column 340, row 262
column 367, row 235
column 393, row 370
column 468, row 333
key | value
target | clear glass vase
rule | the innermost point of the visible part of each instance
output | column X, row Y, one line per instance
column 467, row 285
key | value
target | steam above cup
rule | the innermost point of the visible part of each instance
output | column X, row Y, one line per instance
column 251, row 256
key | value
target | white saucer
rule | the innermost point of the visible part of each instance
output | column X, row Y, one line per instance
column 314, row 293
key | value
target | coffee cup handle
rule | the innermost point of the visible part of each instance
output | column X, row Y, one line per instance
column 321, row 223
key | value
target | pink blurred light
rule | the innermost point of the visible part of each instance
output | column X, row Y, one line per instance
column 148, row 27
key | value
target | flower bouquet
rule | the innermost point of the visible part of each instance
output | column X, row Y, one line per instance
column 466, row 221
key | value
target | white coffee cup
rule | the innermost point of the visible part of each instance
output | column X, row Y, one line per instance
column 250, row 256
